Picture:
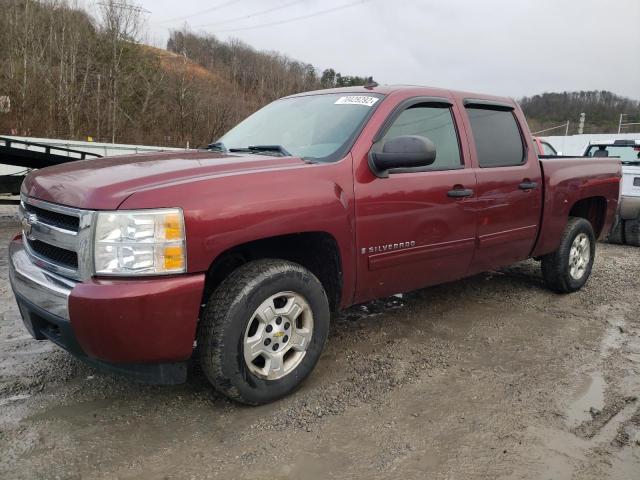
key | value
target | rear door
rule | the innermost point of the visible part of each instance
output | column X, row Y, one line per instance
column 418, row 227
column 509, row 190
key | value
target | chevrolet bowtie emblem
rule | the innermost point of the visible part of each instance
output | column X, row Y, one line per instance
column 27, row 226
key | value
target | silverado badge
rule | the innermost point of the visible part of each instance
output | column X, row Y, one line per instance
column 388, row 247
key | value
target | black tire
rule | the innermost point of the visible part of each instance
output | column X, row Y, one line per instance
column 555, row 266
column 226, row 319
column 632, row 232
column 616, row 235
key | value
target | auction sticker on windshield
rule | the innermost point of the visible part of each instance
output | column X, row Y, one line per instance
column 357, row 100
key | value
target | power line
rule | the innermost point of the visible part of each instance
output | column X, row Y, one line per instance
column 251, row 15
column 301, row 17
column 124, row 6
column 201, row 12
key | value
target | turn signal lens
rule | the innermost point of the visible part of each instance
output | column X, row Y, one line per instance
column 173, row 227
column 173, row 258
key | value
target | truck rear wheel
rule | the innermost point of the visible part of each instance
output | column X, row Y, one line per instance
column 262, row 331
column 632, row 232
column 568, row 268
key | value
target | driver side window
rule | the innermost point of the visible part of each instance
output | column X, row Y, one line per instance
column 436, row 124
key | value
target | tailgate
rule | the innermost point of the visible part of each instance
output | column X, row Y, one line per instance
column 630, row 181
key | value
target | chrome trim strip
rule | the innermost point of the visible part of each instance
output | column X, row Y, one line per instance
column 54, row 207
column 54, row 235
column 42, row 288
column 53, row 267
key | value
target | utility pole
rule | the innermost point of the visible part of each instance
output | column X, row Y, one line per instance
column 581, row 124
column 622, row 115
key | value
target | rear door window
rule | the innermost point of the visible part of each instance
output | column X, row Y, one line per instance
column 497, row 137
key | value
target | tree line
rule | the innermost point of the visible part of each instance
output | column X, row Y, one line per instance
column 602, row 111
column 68, row 73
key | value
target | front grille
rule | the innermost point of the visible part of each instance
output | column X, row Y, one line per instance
column 57, row 255
column 58, row 237
column 68, row 222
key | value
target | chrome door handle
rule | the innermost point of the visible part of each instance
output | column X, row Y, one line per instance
column 460, row 193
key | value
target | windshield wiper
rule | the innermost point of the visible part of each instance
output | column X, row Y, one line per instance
column 263, row 149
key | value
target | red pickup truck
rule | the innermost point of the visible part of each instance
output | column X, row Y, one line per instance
column 316, row 202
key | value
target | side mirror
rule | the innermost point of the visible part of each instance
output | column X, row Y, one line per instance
column 403, row 152
column 559, row 154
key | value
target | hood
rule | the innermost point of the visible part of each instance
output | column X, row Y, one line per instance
column 103, row 184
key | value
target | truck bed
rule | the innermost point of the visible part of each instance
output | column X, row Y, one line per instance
column 568, row 179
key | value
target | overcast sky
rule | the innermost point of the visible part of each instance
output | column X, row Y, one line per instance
column 505, row 47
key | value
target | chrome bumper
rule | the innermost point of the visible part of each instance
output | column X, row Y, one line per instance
column 40, row 287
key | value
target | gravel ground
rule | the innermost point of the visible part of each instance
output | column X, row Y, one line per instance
column 491, row 378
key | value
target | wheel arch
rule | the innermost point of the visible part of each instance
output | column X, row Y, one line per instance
column 317, row 251
column 592, row 209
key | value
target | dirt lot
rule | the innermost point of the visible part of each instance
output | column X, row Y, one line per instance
column 491, row 377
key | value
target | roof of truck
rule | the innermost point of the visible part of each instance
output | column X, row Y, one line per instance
column 417, row 90
column 618, row 143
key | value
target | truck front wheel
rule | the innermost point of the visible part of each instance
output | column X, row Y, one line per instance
column 568, row 268
column 262, row 330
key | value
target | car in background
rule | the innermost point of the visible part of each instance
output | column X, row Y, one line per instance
column 627, row 226
column 543, row 147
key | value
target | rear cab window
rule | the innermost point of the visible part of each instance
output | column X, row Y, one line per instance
column 497, row 137
column 626, row 153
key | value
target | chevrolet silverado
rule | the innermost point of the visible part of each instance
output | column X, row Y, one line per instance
column 316, row 202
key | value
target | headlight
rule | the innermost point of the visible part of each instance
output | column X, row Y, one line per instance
column 140, row 242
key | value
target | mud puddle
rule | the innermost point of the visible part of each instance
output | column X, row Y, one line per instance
column 589, row 403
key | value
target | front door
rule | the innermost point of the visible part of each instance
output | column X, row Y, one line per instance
column 416, row 228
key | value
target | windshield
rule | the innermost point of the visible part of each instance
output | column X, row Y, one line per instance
column 627, row 153
column 312, row 126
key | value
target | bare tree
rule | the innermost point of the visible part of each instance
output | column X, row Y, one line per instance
column 121, row 22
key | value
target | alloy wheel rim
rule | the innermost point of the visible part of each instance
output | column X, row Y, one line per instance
column 278, row 335
column 579, row 256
